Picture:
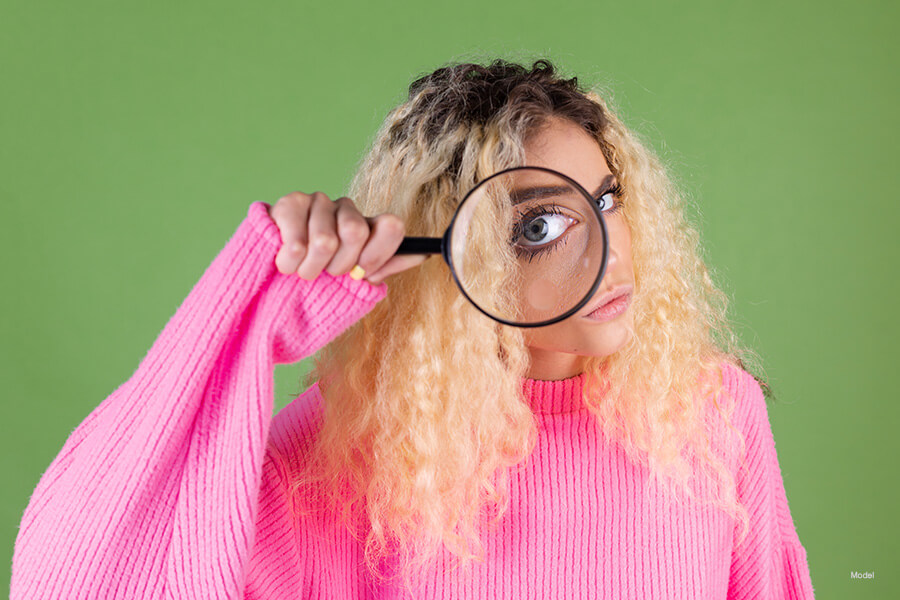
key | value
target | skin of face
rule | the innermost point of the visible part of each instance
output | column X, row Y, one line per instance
column 560, row 351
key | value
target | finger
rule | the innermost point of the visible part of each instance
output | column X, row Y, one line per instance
column 353, row 231
column 290, row 214
column 396, row 264
column 387, row 234
column 323, row 239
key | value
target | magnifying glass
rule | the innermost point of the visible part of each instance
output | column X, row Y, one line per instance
column 527, row 246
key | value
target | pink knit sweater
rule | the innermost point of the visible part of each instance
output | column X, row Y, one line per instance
column 175, row 485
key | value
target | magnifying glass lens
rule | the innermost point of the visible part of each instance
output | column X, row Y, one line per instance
column 527, row 246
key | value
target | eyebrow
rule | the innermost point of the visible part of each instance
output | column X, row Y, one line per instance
column 526, row 194
column 605, row 185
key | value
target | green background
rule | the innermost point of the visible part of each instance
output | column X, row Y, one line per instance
column 135, row 136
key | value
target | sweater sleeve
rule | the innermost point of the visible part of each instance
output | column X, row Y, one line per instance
column 155, row 493
column 771, row 562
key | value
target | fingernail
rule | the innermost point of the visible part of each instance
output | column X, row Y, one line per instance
column 357, row 273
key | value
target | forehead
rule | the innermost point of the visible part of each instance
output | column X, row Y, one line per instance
column 565, row 147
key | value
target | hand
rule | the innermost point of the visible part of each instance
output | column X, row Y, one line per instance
column 318, row 234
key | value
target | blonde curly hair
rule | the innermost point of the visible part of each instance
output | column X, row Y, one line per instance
column 423, row 409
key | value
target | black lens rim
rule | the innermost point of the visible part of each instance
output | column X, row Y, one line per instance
column 448, row 254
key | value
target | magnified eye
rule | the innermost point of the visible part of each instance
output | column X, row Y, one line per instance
column 544, row 229
column 542, row 225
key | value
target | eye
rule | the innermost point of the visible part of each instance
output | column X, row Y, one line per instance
column 614, row 202
column 542, row 226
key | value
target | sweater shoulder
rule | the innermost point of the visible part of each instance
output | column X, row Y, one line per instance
column 736, row 412
column 750, row 409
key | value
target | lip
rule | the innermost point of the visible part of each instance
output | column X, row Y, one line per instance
column 609, row 296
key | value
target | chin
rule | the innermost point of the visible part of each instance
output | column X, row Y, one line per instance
column 609, row 342
column 589, row 340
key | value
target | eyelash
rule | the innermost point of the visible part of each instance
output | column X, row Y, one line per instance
column 616, row 191
column 534, row 213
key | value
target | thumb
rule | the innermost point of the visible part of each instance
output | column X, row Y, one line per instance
column 395, row 264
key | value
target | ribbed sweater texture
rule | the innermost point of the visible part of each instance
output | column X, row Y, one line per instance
column 176, row 485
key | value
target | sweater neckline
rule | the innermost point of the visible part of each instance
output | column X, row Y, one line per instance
column 555, row 396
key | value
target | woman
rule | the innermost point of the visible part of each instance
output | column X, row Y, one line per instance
column 436, row 453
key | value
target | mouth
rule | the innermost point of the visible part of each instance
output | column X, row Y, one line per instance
column 610, row 304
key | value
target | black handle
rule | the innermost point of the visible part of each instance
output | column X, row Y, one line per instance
column 420, row 245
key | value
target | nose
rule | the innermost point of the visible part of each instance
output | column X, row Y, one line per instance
column 613, row 257
column 612, row 254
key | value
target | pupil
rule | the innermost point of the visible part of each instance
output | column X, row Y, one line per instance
column 536, row 230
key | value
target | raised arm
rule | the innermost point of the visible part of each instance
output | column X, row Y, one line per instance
column 155, row 493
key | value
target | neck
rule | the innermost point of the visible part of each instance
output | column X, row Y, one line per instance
column 547, row 365
column 554, row 396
